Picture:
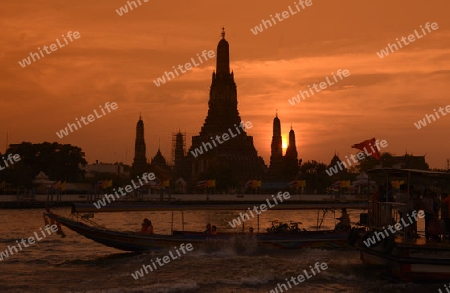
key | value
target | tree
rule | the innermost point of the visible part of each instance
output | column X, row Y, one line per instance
column 316, row 177
column 58, row 161
column 369, row 162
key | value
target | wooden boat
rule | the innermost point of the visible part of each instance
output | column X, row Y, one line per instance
column 131, row 241
column 409, row 259
column 325, row 239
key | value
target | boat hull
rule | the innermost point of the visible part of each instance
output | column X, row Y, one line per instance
column 129, row 241
column 411, row 263
column 126, row 241
column 312, row 239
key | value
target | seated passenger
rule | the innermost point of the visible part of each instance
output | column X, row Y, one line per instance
column 213, row 231
column 250, row 230
column 147, row 227
column 208, row 229
column 344, row 222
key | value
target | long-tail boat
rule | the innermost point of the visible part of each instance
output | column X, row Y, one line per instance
column 279, row 237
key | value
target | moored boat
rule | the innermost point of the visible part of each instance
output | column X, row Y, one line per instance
column 408, row 257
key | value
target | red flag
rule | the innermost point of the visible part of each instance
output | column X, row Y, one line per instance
column 369, row 147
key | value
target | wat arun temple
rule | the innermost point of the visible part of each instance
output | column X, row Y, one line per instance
column 231, row 163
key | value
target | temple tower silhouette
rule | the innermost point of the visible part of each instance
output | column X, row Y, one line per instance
column 181, row 168
column 291, row 158
column 237, row 156
column 276, row 154
column 139, row 165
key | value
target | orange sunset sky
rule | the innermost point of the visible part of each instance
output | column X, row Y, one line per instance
column 117, row 58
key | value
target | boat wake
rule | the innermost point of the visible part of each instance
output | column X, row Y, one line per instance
column 236, row 245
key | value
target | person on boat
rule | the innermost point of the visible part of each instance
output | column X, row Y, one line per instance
column 402, row 197
column 147, row 227
column 427, row 203
column 250, row 230
column 376, row 197
column 414, row 204
column 208, row 230
column 344, row 221
column 389, row 192
column 213, row 230
column 445, row 213
column 436, row 222
column 436, row 202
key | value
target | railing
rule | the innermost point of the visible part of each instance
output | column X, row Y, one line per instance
column 383, row 214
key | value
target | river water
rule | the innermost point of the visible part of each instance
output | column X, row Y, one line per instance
column 76, row 264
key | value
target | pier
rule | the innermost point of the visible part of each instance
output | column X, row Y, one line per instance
column 213, row 201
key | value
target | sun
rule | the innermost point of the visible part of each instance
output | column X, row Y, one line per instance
column 283, row 144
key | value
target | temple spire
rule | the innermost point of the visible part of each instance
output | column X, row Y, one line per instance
column 291, row 158
column 223, row 56
column 239, row 153
column 276, row 151
column 140, row 160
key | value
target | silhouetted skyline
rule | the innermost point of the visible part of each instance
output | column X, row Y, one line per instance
column 118, row 57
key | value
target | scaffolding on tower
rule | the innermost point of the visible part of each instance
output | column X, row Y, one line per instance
column 178, row 147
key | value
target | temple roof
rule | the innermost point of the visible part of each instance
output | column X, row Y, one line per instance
column 158, row 159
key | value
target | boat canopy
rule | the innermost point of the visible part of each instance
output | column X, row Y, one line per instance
column 404, row 172
column 140, row 206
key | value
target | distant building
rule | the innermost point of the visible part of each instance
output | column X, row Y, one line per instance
column 140, row 164
column 337, row 163
column 159, row 166
column 120, row 170
column 181, row 163
column 410, row 162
